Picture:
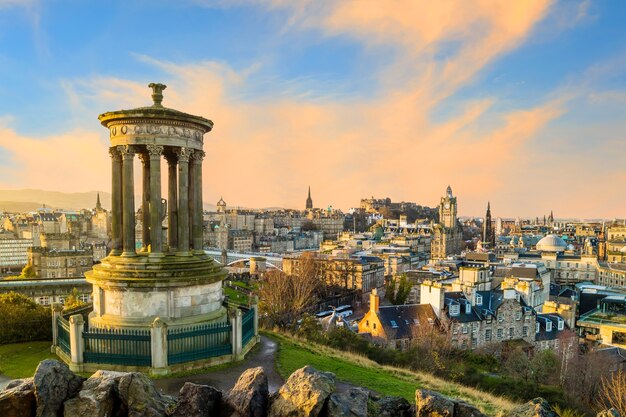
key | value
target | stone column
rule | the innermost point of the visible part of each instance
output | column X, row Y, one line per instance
column 191, row 197
column 237, row 325
column 183, row 199
column 172, row 205
column 156, row 228
column 77, row 347
column 128, row 200
column 198, row 218
column 116, row 202
column 158, row 347
column 145, row 202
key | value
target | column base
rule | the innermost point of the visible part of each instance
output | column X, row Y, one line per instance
column 198, row 252
column 128, row 254
column 156, row 255
column 115, row 252
column 185, row 253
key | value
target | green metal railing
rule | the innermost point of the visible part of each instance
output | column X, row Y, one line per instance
column 117, row 347
column 198, row 342
column 247, row 327
column 63, row 334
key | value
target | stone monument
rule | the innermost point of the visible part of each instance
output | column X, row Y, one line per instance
column 169, row 276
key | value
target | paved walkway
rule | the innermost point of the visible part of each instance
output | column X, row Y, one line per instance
column 263, row 355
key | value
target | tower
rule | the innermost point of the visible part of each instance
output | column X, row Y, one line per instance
column 98, row 205
column 448, row 210
column 309, row 201
column 488, row 235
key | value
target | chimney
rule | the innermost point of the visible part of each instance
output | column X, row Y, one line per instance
column 374, row 301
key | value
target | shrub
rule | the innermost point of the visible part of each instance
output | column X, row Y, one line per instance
column 23, row 320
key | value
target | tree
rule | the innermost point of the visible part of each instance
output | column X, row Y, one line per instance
column 398, row 291
column 23, row 320
column 284, row 298
column 73, row 301
column 612, row 393
column 28, row 272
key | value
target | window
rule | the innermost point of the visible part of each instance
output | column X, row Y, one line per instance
column 455, row 329
column 394, row 325
column 374, row 326
column 499, row 333
column 464, row 329
column 548, row 326
column 524, row 331
column 537, row 326
column 488, row 334
column 479, row 300
column 500, row 317
column 511, row 331
column 561, row 324
column 455, row 309
column 518, row 315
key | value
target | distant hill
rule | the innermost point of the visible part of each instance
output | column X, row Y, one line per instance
column 18, row 201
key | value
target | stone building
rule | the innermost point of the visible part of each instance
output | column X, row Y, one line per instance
column 395, row 326
column 447, row 236
column 100, row 222
column 48, row 291
column 13, row 251
column 53, row 263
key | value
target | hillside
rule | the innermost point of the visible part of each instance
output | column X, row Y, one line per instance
column 294, row 353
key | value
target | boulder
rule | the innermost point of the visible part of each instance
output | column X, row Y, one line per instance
column 54, row 383
column 537, row 407
column 18, row 400
column 303, row 394
column 99, row 397
column 16, row 383
column 249, row 396
column 394, row 407
column 432, row 404
column 197, row 401
column 141, row 398
column 611, row 412
column 463, row 409
column 350, row 404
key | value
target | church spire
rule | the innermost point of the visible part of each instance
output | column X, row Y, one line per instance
column 98, row 205
column 309, row 200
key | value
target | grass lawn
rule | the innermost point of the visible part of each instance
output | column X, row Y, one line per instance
column 19, row 360
column 294, row 354
column 235, row 296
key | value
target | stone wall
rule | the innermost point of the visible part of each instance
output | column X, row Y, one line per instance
column 56, row 391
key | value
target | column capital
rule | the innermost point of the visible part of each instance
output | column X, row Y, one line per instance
column 155, row 151
column 126, row 151
column 198, row 155
column 115, row 153
column 183, row 154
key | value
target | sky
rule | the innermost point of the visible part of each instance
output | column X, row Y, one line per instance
column 520, row 103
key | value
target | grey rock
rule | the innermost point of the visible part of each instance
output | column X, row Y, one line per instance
column 463, row 409
column 433, row 404
column 303, row 394
column 16, row 383
column 537, row 407
column 54, row 383
column 197, row 401
column 141, row 398
column 350, row 404
column 249, row 396
column 19, row 400
column 99, row 397
column 394, row 407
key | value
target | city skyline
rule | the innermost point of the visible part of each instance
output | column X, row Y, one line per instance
column 517, row 104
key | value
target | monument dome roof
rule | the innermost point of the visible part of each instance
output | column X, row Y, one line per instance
column 551, row 243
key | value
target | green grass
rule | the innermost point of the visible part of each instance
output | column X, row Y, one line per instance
column 235, row 296
column 358, row 370
column 19, row 360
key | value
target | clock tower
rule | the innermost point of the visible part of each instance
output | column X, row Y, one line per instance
column 448, row 210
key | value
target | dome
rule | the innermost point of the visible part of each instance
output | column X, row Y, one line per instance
column 551, row 243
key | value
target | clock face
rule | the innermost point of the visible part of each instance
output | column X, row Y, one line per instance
column 446, row 206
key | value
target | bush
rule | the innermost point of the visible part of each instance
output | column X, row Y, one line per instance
column 23, row 320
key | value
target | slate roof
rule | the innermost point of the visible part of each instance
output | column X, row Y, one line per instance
column 543, row 320
column 401, row 321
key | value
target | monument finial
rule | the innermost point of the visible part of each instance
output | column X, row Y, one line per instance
column 157, row 93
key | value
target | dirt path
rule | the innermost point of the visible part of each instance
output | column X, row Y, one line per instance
column 263, row 355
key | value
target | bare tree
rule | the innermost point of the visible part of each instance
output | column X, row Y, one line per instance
column 612, row 392
column 284, row 298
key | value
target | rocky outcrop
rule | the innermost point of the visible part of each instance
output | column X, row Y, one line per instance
column 56, row 391
column 350, row 404
column 99, row 397
column 197, row 401
column 140, row 397
column 54, row 384
column 18, row 399
column 304, row 394
column 249, row 396
column 537, row 407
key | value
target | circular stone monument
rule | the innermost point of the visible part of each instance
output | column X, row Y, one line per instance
column 168, row 275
